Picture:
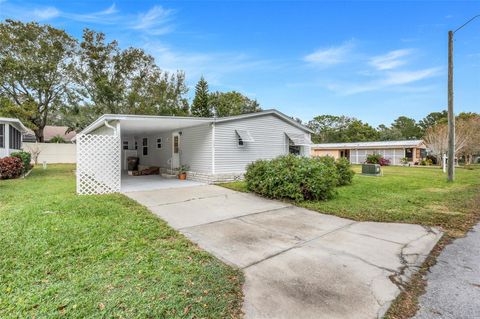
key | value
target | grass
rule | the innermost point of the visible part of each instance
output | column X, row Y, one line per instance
column 104, row 256
column 418, row 195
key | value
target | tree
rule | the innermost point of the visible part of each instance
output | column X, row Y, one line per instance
column 471, row 121
column 201, row 104
column 232, row 103
column 116, row 81
column 36, row 66
column 331, row 128
column 432, row 119
column 407, row 127
column 466, row 133
column 388, row 133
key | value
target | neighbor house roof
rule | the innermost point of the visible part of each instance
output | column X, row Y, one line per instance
column 18, row 123
column 190, row 119
column 51, row 131
column 369, row 145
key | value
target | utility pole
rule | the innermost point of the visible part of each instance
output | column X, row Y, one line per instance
column 451, row 115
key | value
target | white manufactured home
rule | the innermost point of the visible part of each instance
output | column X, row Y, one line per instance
column 11, row 132
column 214, row 149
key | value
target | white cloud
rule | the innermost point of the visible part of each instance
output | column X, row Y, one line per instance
column 388, row 80
column 46, row 13
column 154, row 21
column 107, row 16
column 330, row 56
column 391, row 60
column 217, row 67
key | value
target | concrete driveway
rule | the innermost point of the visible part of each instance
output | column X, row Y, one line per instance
column 297, row 263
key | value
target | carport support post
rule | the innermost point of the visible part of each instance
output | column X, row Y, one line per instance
column 213, row 148
column 119, row 133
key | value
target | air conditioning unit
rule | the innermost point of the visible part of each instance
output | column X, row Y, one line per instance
column 371, row 169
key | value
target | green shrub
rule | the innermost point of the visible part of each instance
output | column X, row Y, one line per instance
column 293, row 177
column 26, row 158
column 345, row 172
column 57, row 139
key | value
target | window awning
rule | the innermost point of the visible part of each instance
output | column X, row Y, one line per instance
column 299, row 139
column 245, row 135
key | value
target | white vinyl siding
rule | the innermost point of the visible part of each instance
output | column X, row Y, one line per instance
column 270, row 141
column 196, row 148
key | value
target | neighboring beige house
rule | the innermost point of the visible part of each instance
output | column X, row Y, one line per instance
column 395, row 151
column 49, row 132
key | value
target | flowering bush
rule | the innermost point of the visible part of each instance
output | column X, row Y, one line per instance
column 377, row 159
column 10, row 167
column 384, row 161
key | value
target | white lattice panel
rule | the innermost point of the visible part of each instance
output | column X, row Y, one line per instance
column 98, row 164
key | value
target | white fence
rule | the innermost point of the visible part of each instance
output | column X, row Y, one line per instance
column 52, row 153
column 98, row 164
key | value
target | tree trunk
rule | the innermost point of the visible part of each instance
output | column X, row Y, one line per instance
column 39, row 135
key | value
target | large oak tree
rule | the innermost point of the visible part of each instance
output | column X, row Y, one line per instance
column 36, row 67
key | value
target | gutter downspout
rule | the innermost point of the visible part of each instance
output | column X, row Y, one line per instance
column 109, row 126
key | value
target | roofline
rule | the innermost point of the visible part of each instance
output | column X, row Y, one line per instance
column 118, row 117
column 14, row 120
column 265, row 112
column 365, row 145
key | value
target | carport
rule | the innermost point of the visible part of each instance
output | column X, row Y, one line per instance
column 104, row 146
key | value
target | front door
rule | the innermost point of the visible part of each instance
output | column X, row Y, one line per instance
column 175, row 150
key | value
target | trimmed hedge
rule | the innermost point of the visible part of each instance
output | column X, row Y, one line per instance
column 26, row 158
column 10, row 167
column 293, row 177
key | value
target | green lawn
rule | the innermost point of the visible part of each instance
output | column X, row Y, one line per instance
column 417, row 195
column 64, row 255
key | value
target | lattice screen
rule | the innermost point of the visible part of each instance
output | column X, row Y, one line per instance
column 98, row 164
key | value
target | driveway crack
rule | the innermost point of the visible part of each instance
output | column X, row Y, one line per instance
column 298, row 245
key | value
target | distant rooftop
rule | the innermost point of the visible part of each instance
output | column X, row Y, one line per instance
column 376, row 144
column 49, row 132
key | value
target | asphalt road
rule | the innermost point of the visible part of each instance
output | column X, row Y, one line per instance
column 453, row 284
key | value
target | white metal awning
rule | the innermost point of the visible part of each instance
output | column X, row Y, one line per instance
column 245, row 135
column 299, row 139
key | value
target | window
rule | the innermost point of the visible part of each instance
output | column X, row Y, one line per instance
column 136, row 145
column 409, row 154
column 15, row 138
column 243, row 136
column 125, row 145
column 2, row 135
column 175, row 144
column 145, row 146
column 159, row 143
column 294, row 149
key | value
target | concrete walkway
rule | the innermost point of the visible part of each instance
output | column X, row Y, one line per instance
column 297, row 263
column 453, row 284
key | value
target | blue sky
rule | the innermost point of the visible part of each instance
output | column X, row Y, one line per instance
column 372, row 60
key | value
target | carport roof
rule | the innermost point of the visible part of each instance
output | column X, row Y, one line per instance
column 145, row 123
